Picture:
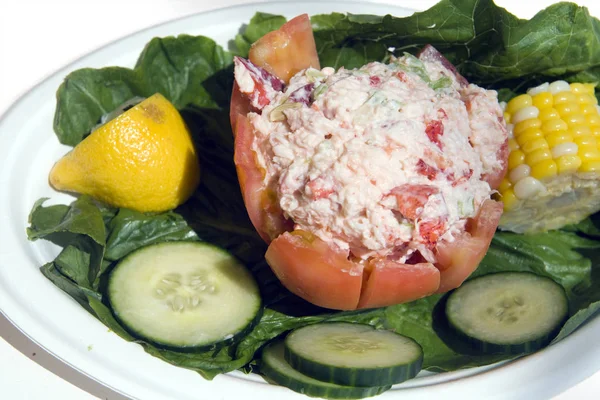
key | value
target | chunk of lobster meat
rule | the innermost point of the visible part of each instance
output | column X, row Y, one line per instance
column 390, row 282
column 411, row 199
column 259, row 86
column 458, row 259
column 288, row 50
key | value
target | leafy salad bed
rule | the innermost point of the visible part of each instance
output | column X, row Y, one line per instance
column 489, row 46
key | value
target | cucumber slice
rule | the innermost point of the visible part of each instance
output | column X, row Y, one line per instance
column 184, row 295
column 508, row 312
column 353, row 354
column 277, row 370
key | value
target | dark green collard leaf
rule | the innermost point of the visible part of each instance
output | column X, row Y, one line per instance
column 87, row 94
column 561, row 40
column 589, row 226
column 488, row 45
column 78, row 293
column 260, row 24
column 185, row 69
column 581, row 317
column 93, row 235
column 74, row 264
column 129, row 230
column 80, row 227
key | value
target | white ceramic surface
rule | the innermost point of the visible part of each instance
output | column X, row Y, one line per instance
column 58, row 324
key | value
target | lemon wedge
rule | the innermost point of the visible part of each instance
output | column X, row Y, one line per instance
column 143, row 159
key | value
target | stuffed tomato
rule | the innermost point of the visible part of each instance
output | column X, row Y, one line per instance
column 371, row 186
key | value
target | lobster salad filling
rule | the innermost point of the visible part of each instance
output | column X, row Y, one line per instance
column 387, row 160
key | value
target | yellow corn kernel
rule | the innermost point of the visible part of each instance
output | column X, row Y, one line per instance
column 544, row 169
column 558, row 137
column 516, row 158
column 524, row 125
column 595, row 130
column 576, row 118
column 509, row 199
column 564, row 97
column 585, row 99
column 542, row 100
column 566, row 109
column 593, row 119
column 528, row 135
column 548, row 113
column 554, row 125
column 590, row 87
column 588, row 109
column 507, row 118
column 518, row 103
column 579, row 130
column 590, row 166
column 537, row 156
column 588, row 153
column 512, row 144
column 533, row 145
column 568, row 163
column 504, row 185
column 585, row 140
column 578, row 88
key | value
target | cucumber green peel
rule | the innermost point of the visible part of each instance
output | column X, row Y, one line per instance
column 353, row 354
column 277, row 370
column 508, row 312
column 186, row 296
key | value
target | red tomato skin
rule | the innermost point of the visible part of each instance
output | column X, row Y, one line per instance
column 265, row 214
column 311, row 269
column 239, row 105
column 288, row 50
column 458, row 259
column 391, row 283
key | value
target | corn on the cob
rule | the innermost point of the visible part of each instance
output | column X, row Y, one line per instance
column 553, row 174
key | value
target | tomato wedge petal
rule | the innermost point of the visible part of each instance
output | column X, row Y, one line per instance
column 264, row 212
column 288, row 50
column 239, row 105
column 458, row 259
column 391, row 283
column 311, row 269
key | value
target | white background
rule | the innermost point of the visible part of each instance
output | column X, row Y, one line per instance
column 39, row 37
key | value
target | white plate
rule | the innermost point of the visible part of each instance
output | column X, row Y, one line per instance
column 28, row 148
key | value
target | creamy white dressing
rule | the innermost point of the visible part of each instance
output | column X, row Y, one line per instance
column 335, row 163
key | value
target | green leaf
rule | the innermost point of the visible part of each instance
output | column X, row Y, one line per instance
column 167, row 66
column 80, row 227
column 488, row 45
column 130, row 230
